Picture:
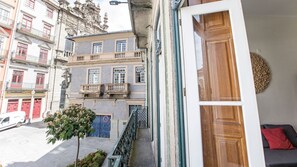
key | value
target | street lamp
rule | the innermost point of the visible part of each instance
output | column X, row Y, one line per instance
column 116, row 2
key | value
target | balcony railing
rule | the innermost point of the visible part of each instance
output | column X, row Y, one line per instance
column 6, row 22
column 117, row 88
column 3, row 54
column 90, row 88
column 35, row 33
column 122, row 149
column 106, row 56
column 26, row 86
column 30, row 59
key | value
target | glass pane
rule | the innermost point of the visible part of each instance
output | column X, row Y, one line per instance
column 223, row 136
column 215, row 58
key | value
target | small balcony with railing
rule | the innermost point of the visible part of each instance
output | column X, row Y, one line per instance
column 91, row 89
column 107, row 57
column 35, row 33
column 3, row 54
column 134, row 148
column 117, row 89
column 6, row 22
column 30, row 59
column 23, row 86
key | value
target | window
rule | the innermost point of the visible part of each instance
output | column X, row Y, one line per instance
column 47, row 30
column 69, row 44
column 17, row 76
column 39, row 79
column 4, row 16
column 30, row 3
column 43, row 56
column 94, row 76
column 27, row 22
column 119, row 75
column 49, row 12
column 139, row 74
column 121, row 46
column 21, row 51
column 2, row 38
column 97, row 47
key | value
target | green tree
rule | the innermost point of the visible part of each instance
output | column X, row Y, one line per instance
column 74, row 121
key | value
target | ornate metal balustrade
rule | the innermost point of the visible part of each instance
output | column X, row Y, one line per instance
column 121, row 152
column 35, row 33
column 90, row 88
column 30, row 59
column 117, row 88
column 26, row 86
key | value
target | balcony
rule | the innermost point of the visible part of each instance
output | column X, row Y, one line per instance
column 30, row 59
column 91, row 89
column 133, row 148
column 35, row 33
column 6, row 22
column 26, row 86
column 107, row 57
column 117, row 89
column 3, row 54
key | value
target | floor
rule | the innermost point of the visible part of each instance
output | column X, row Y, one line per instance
column 26, row 146
column 142, row 152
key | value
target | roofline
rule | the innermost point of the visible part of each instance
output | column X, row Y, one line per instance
column 101, row 34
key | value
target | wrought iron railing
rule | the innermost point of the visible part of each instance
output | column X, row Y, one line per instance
column 6, row 21
column 26, row 86
column 35, row 33
column 31, row 58
column 121, row 152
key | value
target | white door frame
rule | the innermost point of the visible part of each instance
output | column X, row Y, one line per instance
column 245, row 77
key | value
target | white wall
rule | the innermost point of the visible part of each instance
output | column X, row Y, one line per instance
column 275, row 39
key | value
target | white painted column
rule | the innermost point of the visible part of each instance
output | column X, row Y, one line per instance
column 31, row 106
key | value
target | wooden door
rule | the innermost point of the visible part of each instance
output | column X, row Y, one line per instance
column 36, row 108
column 26, row 103
column 213, row 85
column 12, row 105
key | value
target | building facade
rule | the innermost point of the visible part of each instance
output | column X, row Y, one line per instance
column 201, row 94
column 8, row 11
column 27, row 77
column 108, row 76
column 82, row 19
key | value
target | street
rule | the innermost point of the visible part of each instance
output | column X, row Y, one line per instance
column 26, row 146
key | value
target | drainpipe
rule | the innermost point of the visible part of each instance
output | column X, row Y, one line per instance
column 179, row 86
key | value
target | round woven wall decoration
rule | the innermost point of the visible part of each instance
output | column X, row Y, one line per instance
column 261, row 71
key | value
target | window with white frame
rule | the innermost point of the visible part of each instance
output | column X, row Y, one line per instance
column 139, row 74
column 27, row 22
column 49, row 12
column 119, row 75
column 94, row 76
column 4, row 16
column 30, row 3
column 121, row 46
column 69, row 45
column 97, row 47
column 47, row 30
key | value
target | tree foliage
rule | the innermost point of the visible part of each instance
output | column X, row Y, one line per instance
column 72, row 121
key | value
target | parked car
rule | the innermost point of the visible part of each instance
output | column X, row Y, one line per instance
column 12, row 119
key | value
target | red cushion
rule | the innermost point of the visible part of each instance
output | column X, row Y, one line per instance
column 277, row 139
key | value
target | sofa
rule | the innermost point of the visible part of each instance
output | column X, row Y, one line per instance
column 281, row 157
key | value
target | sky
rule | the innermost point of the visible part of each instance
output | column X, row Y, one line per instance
column 118, row 15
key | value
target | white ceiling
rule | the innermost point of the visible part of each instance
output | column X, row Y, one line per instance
column 270, row 7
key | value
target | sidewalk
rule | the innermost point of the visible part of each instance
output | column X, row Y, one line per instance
column 142, row 152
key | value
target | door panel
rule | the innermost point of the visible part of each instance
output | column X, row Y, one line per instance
column 12, row 105
column 217, row 108
column 102, row 126
column 36, row 108
column 26, row 103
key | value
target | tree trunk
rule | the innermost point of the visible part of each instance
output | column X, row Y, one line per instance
column 76, row 160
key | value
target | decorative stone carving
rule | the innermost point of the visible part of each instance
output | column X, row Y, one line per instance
column 261, row 71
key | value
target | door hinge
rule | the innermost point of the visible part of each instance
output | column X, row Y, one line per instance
column 185, row 94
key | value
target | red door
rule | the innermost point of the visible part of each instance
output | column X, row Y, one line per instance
column 26, row 107
column 12, row 105
column 36, row 108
